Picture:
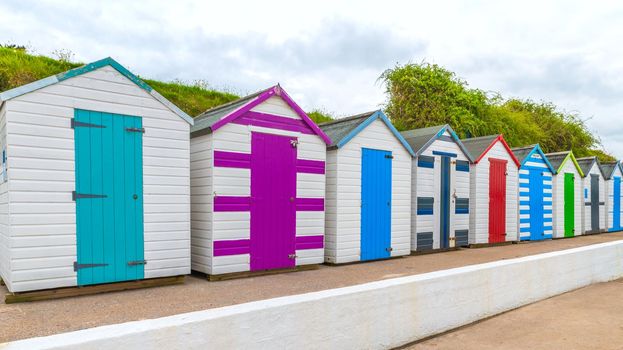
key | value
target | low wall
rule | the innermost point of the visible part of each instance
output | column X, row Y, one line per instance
column 377, row 315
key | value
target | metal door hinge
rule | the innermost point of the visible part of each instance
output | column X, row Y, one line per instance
column 75, row 195
column 141, row 130
column 84, row 266
column 137, row 262
column 389, row 156
column 76, row 124
column 294, row 143
column 292, row 256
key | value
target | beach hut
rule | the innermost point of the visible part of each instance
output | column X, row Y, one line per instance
column 257, row 186
column 535, row 193
column 95, row 181
column 493, row 190
column 567, row 194
column 440, row 189
column 594, row 194
column 613, row 172
column 368, row 197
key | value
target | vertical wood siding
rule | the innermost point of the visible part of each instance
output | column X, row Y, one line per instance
column 343, row 202
column 427, row 183
column 479, row 194
column 5, row 235
column 610, row 198
column 602, row 198
column 559, row 200
column 209, row 181
column 41, row 167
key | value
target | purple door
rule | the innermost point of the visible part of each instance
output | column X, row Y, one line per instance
column 273, row 195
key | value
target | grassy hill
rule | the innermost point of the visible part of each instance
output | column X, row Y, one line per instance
column 18, row 67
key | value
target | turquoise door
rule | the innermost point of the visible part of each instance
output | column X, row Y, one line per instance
column 376, row 201
column 109, row 197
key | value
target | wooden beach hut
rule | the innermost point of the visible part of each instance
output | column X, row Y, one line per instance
column 594, row 195
column 95, row 186
column 257, row 186
column 535, row 193
column 493, row 190
column 368, row 197
column 613, row 174
column 567, row 194
column 440, row 189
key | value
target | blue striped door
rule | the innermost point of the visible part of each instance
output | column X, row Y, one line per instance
column 537, row 229
column 109, row 197
column 616, row 204
column 444, row 227
column 376, row 199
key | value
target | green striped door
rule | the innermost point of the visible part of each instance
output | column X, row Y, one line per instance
column 109, row 197
column 569, row 205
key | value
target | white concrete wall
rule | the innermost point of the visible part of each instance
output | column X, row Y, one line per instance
column 209, row 181
column 5, row 235
column 479, row 194
column 610, row 198
column 602, row 198
column 41, row 171
column 559, row 200
column 397, row 311
column 345, row 239
column 427, row 183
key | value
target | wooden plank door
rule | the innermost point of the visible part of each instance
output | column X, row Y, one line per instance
column 273, row 201
column 594, row 203
column 444, row 201
column 569, row 204
column 376, row 199
column 109, row 197
column 616, row 204
column 536, row 205
column 497, row 200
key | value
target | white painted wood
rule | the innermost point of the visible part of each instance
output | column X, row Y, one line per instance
column 40, row 148
column 5, row 228
column 479, row 196
column 559, row 200
column 427, row 183
column 343, row 202
column 207, row 181
column 610, row 200
column 587, row 198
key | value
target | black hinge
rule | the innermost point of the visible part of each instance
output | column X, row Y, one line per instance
column 141, row 130
column 76, row 124
column 75, row 195
column 389, row 156
column 137, row 262
column 84, row 266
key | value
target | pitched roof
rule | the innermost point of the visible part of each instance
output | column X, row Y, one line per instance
column 341, row 131
column 479, row 146
column 420, row 139
column 558, row 160
column 524, row 153
column 586, row 163
column 608, row 169
column 216, row 117
column 39, row 84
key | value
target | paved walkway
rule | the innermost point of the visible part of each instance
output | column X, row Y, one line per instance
column 26, row 320
column 587, row 318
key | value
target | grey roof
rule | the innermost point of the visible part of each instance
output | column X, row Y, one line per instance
column 418, row 138
column 522, row 152
column 478, row 145
column 205, row 120
column 586, row 163
column 556, row 158
column 340, row 128
column 608, row 168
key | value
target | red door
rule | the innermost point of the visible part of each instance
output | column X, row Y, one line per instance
column 497, row 200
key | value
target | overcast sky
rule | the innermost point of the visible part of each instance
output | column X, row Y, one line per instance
column 329, row 54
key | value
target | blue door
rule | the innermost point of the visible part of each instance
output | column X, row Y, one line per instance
column 444, row 202
column 537, row 230
column 616, row 204
column 109, row 197
column 376, row 201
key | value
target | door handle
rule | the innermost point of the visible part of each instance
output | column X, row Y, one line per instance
column 135, row 196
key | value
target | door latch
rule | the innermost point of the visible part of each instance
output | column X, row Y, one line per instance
column 75, row 195
column 141, row 130
column 294, row 143
column 137, row 262
column 389, row 156
column 390, row 249
column 292, row 256
column 84, row 266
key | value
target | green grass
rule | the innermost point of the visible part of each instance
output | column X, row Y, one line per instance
column 18, row 67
